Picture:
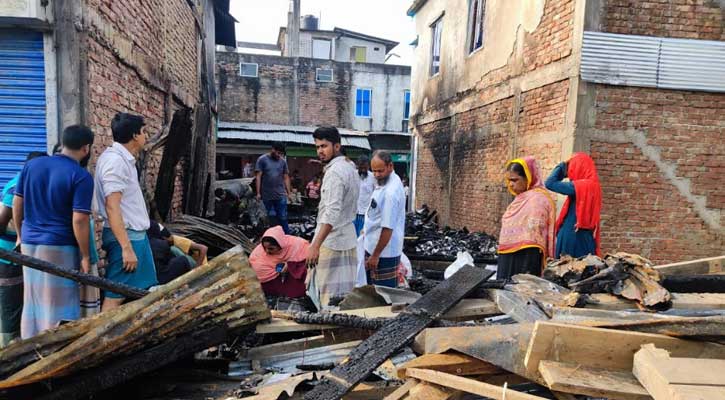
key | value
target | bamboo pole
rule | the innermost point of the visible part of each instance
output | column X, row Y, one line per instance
column 129, row 292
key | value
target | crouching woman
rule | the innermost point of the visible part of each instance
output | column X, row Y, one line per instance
column 280, row 262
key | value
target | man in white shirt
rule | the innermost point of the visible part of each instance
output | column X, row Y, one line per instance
column 367, row 185
column 384, row 223
column 123, row 209
column 333, row 248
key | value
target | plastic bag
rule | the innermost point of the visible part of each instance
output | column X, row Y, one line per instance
column 462, row 258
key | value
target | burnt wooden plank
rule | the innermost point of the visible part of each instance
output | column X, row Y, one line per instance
column 129, row 292
column 392, row 337
column 695, row 283
column 110, row 375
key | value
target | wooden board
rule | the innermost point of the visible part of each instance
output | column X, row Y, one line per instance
column 595, row 382
column 469, row 385
column 603, row 348
column 518, row 306
column 260, row 352
column 712, row 265
column 680, row 301
column 668, row 378
column 429, row 391
column 402, row 391
column 466, row 309
column 372, row 352
column 452, row 363
column 501, row 345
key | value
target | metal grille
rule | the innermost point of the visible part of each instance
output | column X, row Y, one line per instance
column 22, row 99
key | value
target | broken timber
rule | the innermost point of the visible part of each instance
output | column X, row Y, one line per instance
column 375, row 350
column 667, row 378
column 603, row 348
column 80, row 277
column 695, row 283
column 114, row 373
column 713, row 265
column 469, row 385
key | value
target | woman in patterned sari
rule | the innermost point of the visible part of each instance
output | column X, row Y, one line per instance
column 527, row 226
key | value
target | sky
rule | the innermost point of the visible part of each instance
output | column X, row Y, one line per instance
column 259, row 21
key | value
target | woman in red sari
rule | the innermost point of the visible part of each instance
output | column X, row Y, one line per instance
column 527, row 226
column 280, row 262
column 578, row 229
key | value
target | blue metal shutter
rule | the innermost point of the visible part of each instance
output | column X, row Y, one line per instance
column 22, row 99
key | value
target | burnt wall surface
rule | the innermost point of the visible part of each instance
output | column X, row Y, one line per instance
column 141, row 58
column 461, row 159
column 519, row 108
column 270, row 97
column 661, row 160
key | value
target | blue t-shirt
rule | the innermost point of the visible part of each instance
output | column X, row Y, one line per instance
column 53, row 188
column 273, row 172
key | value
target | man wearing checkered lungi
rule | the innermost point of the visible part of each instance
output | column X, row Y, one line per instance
column 384, row 223
column 333, row 251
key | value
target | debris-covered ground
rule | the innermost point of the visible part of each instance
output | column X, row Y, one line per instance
column 425, row 238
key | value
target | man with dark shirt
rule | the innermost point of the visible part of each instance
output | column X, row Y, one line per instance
column 51, row 211
column 273, row 184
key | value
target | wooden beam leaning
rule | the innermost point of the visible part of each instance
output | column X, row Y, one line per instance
column 469, row 385
column 712, row 265
column 85, row 279
column 375, row 350
column 455, row 363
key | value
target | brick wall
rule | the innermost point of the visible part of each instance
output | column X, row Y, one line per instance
column 690, row 19
column 552, row 39
column 269, row 98
column 474, row 146
column 164, row 32
column 476, row 142
column 432, row 185
column 325, row 103
column 644, row 210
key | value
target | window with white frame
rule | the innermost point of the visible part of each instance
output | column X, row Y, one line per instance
column 322, row 49
column 250, row 70
column 476, row 24
column 363, row 100
column 435, row 55
column 323, row 75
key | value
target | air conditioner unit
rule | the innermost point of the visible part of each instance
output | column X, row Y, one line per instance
column 32, row 10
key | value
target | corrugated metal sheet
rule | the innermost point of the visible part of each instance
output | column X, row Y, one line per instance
column 653, row 62
column 620, row 59
column 288, row 137
column 256, row 126
column 692, row 64
column 22, row 99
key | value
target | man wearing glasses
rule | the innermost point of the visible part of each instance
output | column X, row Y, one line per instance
column 121, row 204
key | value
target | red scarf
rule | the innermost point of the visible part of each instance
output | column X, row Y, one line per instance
column 583, row 174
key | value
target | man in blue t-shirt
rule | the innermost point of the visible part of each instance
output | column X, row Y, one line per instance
column 51, row 210
column 273, row 184
column 11, row 275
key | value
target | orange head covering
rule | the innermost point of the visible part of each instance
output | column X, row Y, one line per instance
column 583, row 174
column 529, row 220
column 293, row 249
